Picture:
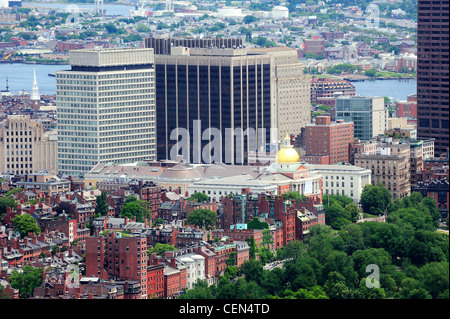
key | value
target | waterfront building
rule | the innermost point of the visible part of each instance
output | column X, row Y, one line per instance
column 25, row 147
column 106, row 109
column 433, row 73
column 367, row 113
column 324, row 90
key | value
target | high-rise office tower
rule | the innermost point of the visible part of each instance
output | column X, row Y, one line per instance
column 106, row 109
column 263, row 91
column 367, row 113
column 433, row 72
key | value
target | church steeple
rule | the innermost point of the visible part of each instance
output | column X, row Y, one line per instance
column 35, row 97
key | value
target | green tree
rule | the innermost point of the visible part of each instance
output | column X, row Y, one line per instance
column 142, row 28
column 315, row 292
column 249, row 19
column 198, row 197
column 252, row 245
column 294, row 196
column 273, row 281
column 202, row 218
column 252, row 270
column 434, row 278
column 352, row 211
column 320, row 243
column 365, row 292
column 160, row 249
column 158, row 221
column 294, row 250
column 110, row 28
column 25, row 224
column 375, row 199
column 352, row 237
column 336, row 216
column 371, row 73
column 376, row 256
column 200, row 290
column 26, row 280
column 255, row 223
column 13, row 191
column 134, row 207
column 335, row 287
column 7, row 202
column 339, row 261
column 101, row 205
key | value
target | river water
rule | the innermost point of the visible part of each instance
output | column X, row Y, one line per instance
column 396, row 89
column 20, row 77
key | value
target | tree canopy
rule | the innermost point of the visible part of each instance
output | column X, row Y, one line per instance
column 375, row 199
column 202, row 218
column 198, row 197
column 26, row 280
column 25, row 224
column 412, row 259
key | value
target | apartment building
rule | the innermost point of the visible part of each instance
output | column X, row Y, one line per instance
column 118, row 255
column 25, row 147
column 329, row 138
column 390, row 165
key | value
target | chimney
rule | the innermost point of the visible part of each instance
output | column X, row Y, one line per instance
column 47, row 200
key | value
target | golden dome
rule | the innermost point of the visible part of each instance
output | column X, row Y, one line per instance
column 287, row 155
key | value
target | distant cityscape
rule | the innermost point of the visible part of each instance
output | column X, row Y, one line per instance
column 220, row 149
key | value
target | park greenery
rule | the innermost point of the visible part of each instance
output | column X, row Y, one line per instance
column 331, row 263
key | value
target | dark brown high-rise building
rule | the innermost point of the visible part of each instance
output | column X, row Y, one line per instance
column 204, row 88
column 432, row 73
